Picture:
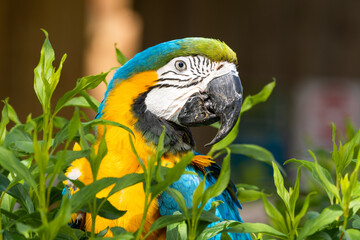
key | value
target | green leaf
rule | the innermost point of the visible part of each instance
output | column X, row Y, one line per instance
column 93, row 103
column 262, row 96
column 140, row 161
column 126, row 181
column 120, row 57
column 3, row 123
column 12, row 235
column 62, row 135
column 248, row 103
column 55, row 77
column 157, row 159
column 96, row 158
column 197, row 196
column 354, row 234
column 23, row 147
column 255, row 152
column 62, row 217
column 68, row 233
column 238, row 227
column 221, row 182
column 12, row 164
column 103, row 232
column 11, row 112
column 225, row 236
column 327, row 216
column 303, row 210
column 324, row 179
column 249, row 195
column 208, row 216
column 87, row 193
column 17, row 191
column 60, row 122
column 347, row 153
column 214, row 205
column 320, row 236
column 68, row 156
column 275, row 216
column 19, row 141
column 172, row 175
column 355, row 204
column 280, row 188
column 120, row 233
column 324, row 172
column 179, row 198
column 74, row 125
column 166, row 220
column 176, row 231
column 25, row 229
column 117, row 230
column 294, row 193
column 82, row 102
column 45, row 76
column 356, row 223
column 104, row 122
column 106, row 209
column 214, row 230
column 44, row 70
column 246, row 186
column 225, row 141
column 82, row 84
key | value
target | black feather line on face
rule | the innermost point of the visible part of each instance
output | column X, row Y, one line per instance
column 178, row 139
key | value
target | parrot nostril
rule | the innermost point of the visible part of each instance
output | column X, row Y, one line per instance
column 209, row 106
column 205, row 96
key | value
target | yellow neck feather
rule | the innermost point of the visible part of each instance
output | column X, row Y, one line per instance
column 118, row 108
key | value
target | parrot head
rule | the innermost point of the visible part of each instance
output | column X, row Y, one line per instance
column 194, row 82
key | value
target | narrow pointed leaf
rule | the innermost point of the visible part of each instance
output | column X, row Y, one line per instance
column 164, row 221
column 280, row 188
column 87, row 193
column 120, row 57
column 12, row 164
column 17, row 191
column 221, row 183
column 255, row 152
column 327, row 216
column 255, row 228
column 84, row 83
column 275, row 215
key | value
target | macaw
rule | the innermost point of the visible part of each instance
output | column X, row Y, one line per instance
column 177, row 84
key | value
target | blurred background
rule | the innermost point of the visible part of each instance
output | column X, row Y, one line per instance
column 312, row 48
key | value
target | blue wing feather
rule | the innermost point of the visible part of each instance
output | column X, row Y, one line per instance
column 187, row 184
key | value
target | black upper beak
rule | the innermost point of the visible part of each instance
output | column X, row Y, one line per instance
column 221, row 101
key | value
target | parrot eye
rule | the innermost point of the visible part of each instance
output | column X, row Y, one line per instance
column 180, row 65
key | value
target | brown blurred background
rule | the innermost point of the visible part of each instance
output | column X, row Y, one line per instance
column 311, row 47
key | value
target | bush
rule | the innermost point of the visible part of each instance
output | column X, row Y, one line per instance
column 34, row 156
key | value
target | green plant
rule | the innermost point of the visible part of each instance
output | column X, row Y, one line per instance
column 34, row 154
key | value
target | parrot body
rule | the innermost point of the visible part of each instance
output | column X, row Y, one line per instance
column 177, row 84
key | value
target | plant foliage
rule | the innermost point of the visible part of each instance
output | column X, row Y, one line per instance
column 35, row 154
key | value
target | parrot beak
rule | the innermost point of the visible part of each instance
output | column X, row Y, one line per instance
column 221, row 101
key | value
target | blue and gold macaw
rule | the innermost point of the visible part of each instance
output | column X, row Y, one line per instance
column 177, row 84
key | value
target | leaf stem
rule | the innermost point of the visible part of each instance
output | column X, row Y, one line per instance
column 146, row 204
column 93, row 218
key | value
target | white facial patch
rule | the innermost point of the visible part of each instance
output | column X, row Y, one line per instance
column 177, row 83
